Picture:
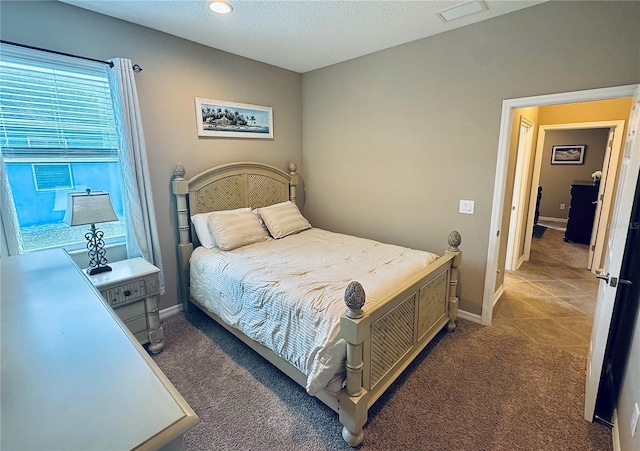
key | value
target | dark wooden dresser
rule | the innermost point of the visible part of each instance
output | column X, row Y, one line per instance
column 584, row 200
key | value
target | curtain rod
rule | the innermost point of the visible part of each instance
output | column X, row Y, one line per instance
column 56, row 52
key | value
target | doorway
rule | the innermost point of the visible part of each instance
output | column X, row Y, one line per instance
column 489, row 297
column 604, row 157
column 517, row 221
column 549, row 296
column 603, row 323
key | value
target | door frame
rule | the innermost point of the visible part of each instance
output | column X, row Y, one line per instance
column 600, row 232
column 607, row 185
column 508, row 106
column 517, row 211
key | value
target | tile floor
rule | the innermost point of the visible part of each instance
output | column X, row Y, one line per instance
column 551, row 298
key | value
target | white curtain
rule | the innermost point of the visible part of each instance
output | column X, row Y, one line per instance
column 10, row 243
column 139, row 212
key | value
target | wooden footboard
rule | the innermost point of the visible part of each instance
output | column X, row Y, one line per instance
column 382, row 339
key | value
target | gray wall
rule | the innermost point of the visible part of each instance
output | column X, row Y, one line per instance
column 556, row 179
column 175, row 71
column 393, row 140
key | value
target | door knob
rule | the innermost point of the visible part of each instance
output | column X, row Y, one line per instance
column 612, row 283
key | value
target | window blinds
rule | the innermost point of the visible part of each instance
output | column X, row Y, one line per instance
column 54, row 106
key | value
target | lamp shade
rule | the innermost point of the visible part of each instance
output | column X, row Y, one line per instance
column 91, row 207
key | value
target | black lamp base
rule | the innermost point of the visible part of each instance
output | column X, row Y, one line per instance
column 98, row 270
column 97, row 252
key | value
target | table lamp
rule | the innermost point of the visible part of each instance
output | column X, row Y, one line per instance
column 92, row 207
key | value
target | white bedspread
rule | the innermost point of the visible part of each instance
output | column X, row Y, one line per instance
column 287, row 294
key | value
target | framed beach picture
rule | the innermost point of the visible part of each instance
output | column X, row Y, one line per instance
column 219, row 118
column 568, row 154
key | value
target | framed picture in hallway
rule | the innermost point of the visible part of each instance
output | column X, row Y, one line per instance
column 568, row 154
column 219, row 118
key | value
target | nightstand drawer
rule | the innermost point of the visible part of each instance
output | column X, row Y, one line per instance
column 125, row 293
column 130, row 311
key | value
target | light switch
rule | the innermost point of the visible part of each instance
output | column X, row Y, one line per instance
column 467, row 207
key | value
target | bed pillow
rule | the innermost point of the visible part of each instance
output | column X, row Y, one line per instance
column 203, row 232
column 233, row 230
column 283, row 219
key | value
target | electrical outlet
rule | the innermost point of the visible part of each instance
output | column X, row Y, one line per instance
column 634, row 419
column 562, row 206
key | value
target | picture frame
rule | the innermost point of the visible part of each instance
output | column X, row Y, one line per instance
column 223, row 119
column 568, row 154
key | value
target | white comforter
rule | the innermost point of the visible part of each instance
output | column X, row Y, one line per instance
column 287, row 294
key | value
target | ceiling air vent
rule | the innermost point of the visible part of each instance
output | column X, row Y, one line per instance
column 462, row 10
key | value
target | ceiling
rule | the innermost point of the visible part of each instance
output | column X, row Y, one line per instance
column 299, row 35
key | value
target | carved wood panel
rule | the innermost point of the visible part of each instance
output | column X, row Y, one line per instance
column 391, row 338
column 240, row 190
column 265, row 191
column 224, row 194
column 432, row 304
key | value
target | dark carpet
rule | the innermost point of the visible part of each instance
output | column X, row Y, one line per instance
column 478, row 388
column 538, row 230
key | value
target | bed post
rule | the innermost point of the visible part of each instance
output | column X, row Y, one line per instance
column 185, row 247
column 353, row 402
column 294, row 181
column 454, row 241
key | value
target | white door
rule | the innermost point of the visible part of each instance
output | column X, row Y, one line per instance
column 517, row 221
column 597, row 216
column 605, row 197
column 613, row 256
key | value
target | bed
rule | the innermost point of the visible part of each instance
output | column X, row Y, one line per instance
column 373, row 336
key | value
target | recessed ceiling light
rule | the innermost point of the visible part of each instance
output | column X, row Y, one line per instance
column 220, row 7
column 462, row 10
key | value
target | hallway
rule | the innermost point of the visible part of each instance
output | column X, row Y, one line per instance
column 551, row 299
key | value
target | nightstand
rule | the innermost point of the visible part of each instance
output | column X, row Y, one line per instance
column 132, row 290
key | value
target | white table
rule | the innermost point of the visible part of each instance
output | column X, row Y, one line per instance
column 73, row 376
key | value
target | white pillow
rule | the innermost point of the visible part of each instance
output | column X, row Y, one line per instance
column 201, row 224
column 233, row 230
column 283, row 219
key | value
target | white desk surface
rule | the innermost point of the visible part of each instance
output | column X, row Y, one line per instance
column 72, row 376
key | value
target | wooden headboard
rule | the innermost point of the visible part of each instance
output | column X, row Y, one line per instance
column 226, row 187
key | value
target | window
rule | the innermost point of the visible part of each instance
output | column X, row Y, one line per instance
column 55, row 176
column 57, row 135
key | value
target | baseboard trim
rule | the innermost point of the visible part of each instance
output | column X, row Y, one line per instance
column 549, row 218
column 169, row 311
column 470, row 316
column 615, row 432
